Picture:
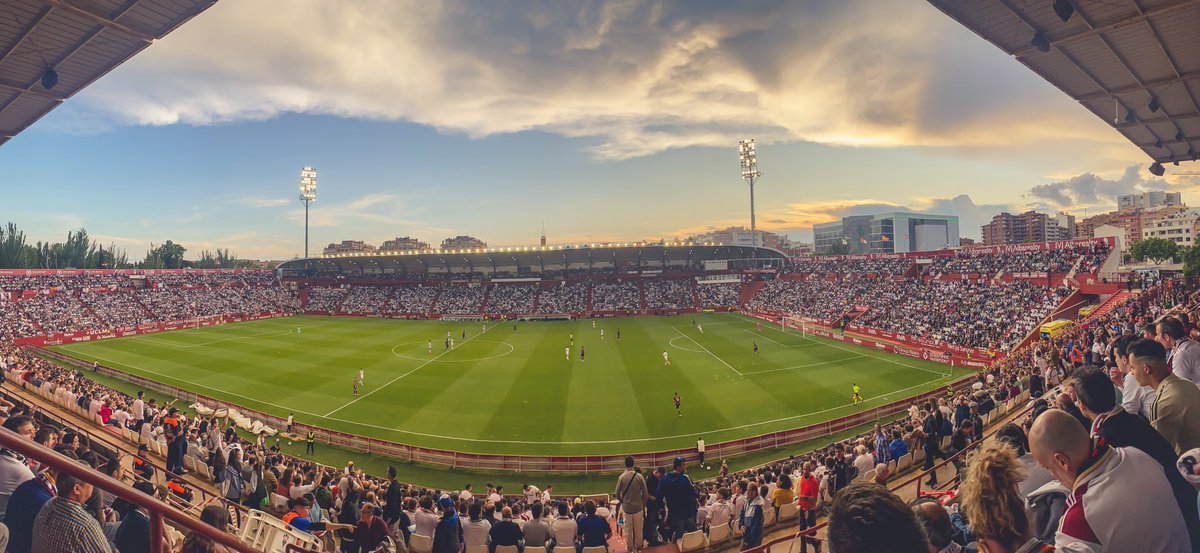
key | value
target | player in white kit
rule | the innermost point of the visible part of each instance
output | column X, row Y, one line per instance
column 666, row 359
column 568, row 351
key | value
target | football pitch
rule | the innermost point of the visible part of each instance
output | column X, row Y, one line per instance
column 512, row 389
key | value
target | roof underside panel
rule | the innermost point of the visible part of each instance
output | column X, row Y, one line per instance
column 1115, row 57
column 81, row 40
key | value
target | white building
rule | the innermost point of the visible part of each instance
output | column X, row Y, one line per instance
column 1148, row 200
column 1179, row 227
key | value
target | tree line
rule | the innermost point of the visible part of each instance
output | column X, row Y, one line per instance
column 80, row 251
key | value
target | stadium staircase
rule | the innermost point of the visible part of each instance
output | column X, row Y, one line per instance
column 699, row 305
column 537, row 298
column 641, row 295
column 487, row 296
column 1114, row 301
column 748, row 291
column 588, row 303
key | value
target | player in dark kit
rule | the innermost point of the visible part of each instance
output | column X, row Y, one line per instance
column 677, row 411
column 755, row 347
column 582, row 352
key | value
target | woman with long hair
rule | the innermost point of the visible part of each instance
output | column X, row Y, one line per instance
column 992, row 503
column 217, row 517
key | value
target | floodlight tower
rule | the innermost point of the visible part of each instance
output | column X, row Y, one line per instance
column 308, row 195
column 750, row 174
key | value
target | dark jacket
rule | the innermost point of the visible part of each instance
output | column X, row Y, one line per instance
column 679, row 494
column 447, row 537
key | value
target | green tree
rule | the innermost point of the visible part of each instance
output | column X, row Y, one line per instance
column 167, row 256
column 1191, row 262
column 1154, row 249
column 14, row 252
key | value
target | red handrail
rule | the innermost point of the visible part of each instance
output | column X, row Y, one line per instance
column 157, row 509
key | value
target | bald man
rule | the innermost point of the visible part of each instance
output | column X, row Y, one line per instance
column 1120, row 499
column 1176, row 410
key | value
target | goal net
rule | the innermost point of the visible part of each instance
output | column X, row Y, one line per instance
column 794, row 323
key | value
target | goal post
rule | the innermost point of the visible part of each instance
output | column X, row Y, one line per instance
column 796, row 324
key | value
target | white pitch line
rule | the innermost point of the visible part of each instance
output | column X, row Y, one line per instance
column 739, row 373
column 520, row 442
column 844, row 348
column 774, row 341
column 859, row 356
column 389, row 383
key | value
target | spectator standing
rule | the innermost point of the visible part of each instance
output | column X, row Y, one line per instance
column 807, row 502
column 1116, row 493
column 1176, row 410
column 679, row 494
column 653, row 506
column 631, row 493
column 594, row 530
column 750, row 518
column 933, row 427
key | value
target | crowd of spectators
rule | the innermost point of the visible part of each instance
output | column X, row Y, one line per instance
column 96, row 302
column 563, row 298
column 980, row 315
column 827, row 266
column 512, row 299
column 615, row 296
column 724, row 294
column 324, row 299
column 58, row 313
column 669, row 293
column 119, row 309
column 461, row 299
column 1058, row 261
column 366, row 300
column 411, row 298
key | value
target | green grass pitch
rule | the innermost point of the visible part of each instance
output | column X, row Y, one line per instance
column 513, row 391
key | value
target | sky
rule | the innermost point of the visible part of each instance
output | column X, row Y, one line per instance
column 601, row 121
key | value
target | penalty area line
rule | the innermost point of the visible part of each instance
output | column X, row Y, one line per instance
column 739, row 373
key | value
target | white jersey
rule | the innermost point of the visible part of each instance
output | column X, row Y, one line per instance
column 700, row 328
column 568, row 350
column 665, row 356
column 360, row 375
column 602, row 334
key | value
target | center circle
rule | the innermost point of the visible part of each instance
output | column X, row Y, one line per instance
column 437, row 357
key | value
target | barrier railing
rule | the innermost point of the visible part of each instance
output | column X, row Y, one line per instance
column 101, row 436
column 158, row 511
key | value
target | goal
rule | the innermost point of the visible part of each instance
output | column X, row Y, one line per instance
column 797, row 324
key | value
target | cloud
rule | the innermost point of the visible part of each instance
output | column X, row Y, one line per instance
column 1093, row 192
column 633, row 78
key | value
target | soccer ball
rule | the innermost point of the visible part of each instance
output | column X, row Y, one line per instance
column 289, row 443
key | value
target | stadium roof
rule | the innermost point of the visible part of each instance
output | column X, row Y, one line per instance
column 553, row 257
column 1133, row 63
column 80, row 41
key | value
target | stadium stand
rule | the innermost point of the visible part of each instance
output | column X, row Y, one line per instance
column 615, row 296
column 721, row 295
column 669, row 294
column 560, row 297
